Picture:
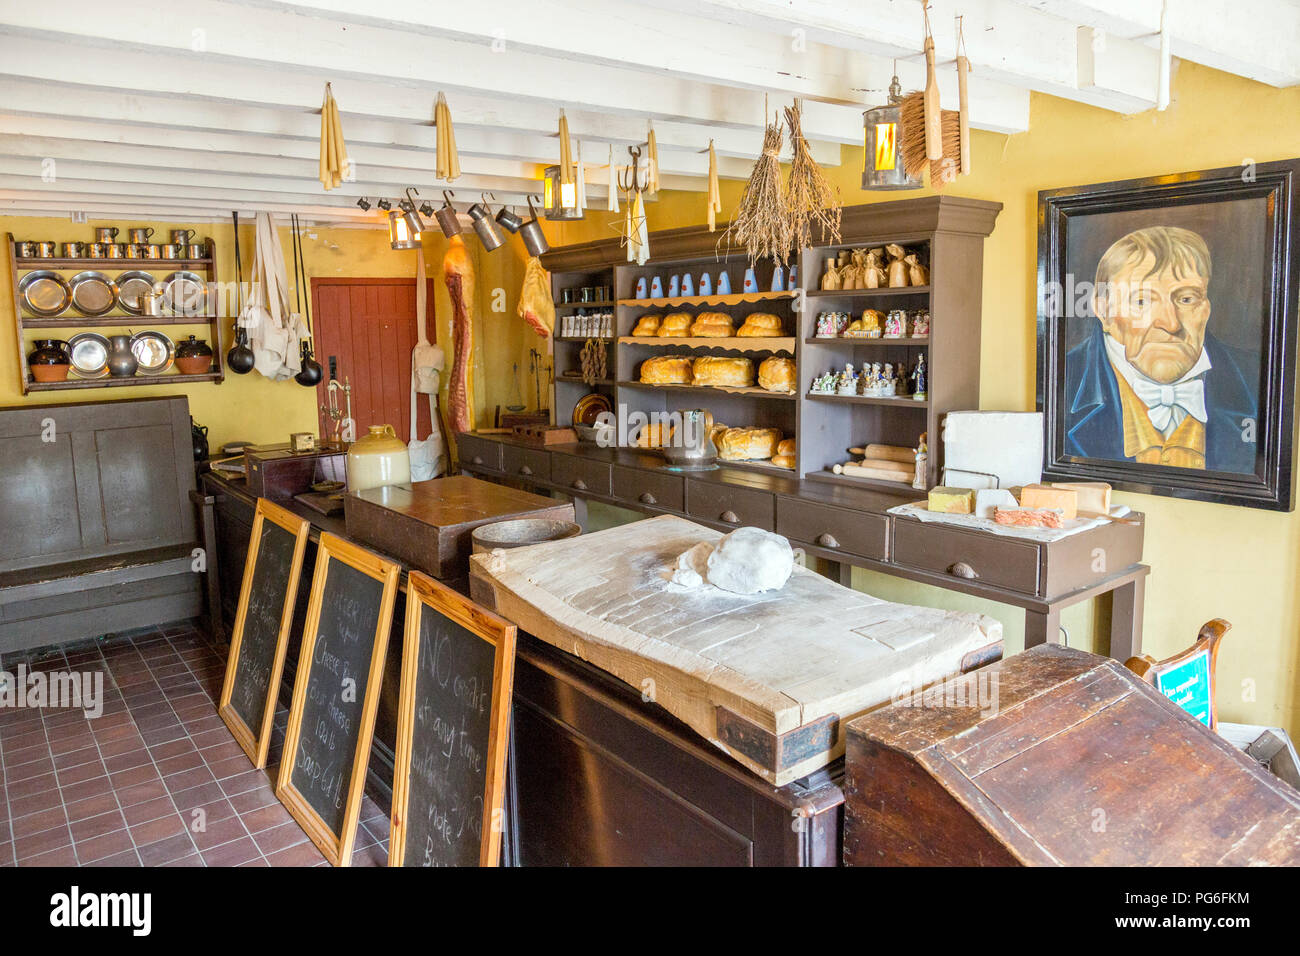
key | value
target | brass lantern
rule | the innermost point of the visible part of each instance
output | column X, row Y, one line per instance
column 559, row 199
column 882, row 168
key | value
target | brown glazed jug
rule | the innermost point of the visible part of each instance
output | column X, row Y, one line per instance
column 49, row 360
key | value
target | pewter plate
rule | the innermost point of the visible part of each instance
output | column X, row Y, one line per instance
column 93, row 293
column 45, row 293
column 185, row 293
column 154, row 352
column 132, row 285
column 89, row 351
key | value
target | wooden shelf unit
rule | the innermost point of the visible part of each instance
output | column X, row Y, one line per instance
column 26, row 324
column 950, row 233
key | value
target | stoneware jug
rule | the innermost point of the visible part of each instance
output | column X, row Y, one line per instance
column 377, row 459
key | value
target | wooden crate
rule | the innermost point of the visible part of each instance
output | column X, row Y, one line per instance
column 1078, row 763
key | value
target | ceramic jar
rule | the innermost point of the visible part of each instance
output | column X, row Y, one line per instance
column 377, row 459
column 49, row 360
column 121, row 360
column 193, row 356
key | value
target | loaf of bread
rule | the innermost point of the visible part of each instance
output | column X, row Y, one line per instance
column 667, row 370
column 722, row 370
column 776, row 374
column 676, row 325
column 653, row 436
column 761, row 325
column 747, row 444
column 647, row 325
column 784, row 457
column 714, row 325
column 783, row 461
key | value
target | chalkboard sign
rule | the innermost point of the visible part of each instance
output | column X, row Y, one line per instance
column 336, row 693
column 458, row 662
column 261, row 634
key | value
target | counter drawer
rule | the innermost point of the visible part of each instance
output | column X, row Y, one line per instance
column 724, row 504
column 580, row 474
column 992, row 560
column 478, row 452
column 526, row 462
column 648, row 488
column 835, row 529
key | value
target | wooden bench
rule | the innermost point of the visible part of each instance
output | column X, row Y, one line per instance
column 97, row 530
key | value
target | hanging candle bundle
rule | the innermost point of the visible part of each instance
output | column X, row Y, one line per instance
column 715, row 194
column 333, row 151
column 810, row 198
column 447, row 159
column 762, row 222
column 652, row 163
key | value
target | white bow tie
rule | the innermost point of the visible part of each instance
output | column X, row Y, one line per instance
column 1161, row 400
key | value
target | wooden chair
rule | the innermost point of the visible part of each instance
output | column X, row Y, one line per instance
column 1187, row 678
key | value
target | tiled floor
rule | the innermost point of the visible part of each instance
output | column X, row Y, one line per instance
column 156, row 780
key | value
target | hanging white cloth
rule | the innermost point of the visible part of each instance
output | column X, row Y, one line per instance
column 428, row 457
column 274, row 332
column 611, row 203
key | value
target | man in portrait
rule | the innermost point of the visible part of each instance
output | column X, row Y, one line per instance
column 1150, row 383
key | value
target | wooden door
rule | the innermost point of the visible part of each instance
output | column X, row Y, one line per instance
column 368, row 327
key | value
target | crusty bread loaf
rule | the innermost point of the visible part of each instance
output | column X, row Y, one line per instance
column 715, row 325
column 785, row 447
column 675, row 325
column 783, row 461
column 761, row 325
column 667, row 370
column 723, row 370
column 653, row 436
column 647, row 325
column 747, row 444
column 777, row 374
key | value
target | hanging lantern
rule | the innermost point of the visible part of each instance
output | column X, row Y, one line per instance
column 882, row 168
column 400, row 234
column 559, row 199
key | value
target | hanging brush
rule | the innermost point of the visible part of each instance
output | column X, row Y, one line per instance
column 911, row 112
column 933, row 121
column 963, row 97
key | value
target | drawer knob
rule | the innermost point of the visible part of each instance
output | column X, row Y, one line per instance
column 525, row 470
column 579, row 484
column 730, row 517
column 827, row 541
column 477, row 460
column 963, row 570
column 648, row 499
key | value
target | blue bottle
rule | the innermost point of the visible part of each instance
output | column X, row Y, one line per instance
column 778, row 280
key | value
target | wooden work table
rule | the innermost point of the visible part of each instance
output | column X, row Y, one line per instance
column 847, row 526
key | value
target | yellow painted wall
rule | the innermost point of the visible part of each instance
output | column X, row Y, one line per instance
column 1207, row 560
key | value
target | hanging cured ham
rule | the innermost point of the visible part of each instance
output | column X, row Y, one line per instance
column 458, row 273
column 535, row 304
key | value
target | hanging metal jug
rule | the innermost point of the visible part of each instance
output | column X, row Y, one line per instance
column 447, row 218
column 531, row 232
column 488, row 232
column 509, row 220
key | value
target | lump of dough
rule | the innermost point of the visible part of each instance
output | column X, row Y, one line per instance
column 692, row 565
column 749, row 560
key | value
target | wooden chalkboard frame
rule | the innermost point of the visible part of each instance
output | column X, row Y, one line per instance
column 425, row 595
column 1206, row 645
column 256, row 742
column 337, row 847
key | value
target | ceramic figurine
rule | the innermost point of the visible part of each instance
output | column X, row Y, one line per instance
column 778, row 279
column 706, row 284
column 674, row 286
column 793, row 282
column 688, row 285
column 824, row 384
column 724, row 283
column 826, row 325
column 895, row 324
column 918, row 379
column 900, row 380
column 877, row 379
column 640, row 288
column 920, row 325
column 887, row 385
column 897, row 272
column 751, row 281
column 871, row 323
column 922, row 456
column 831, row 281
column 848, row 381
column 656, row 288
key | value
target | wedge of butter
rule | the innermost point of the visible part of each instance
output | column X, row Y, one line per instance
column 1054, row 497
column 953, row 501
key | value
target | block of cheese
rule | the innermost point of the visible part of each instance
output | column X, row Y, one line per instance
column 989, row 500
column 1094, row 496
column 1064, row 500
column 953, row 501
column 1028, row 517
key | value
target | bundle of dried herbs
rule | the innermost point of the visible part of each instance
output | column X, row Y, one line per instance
column 762, row 221
column 810, row 198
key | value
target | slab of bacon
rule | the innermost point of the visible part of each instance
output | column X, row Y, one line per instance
column 458, row 273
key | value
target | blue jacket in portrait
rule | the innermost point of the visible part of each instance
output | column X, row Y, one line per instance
column 1094, row 424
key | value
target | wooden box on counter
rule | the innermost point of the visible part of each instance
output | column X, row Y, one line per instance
column 1056, row 757
column 428, row 524
column 278, row 473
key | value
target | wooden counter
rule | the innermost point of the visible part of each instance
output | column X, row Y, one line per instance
column 848, row 526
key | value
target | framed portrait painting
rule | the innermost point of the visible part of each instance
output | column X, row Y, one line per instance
column 1167, row 333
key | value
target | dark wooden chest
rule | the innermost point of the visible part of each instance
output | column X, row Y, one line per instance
column 1062, row 758
column 278, row 473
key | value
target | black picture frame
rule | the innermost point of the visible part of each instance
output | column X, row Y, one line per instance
column 1275, row 189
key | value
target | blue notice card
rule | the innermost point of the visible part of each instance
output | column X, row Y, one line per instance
column 1188, row 685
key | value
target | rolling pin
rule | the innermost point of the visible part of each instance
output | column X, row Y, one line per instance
column 887, row 453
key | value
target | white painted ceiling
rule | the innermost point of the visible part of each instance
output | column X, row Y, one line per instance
column 191, row 109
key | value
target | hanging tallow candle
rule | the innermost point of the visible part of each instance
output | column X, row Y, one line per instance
column 611, row 202
column 447, row 159
column 566, row 152
column 652, row 162
column 333, row 151
column 715, row 194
